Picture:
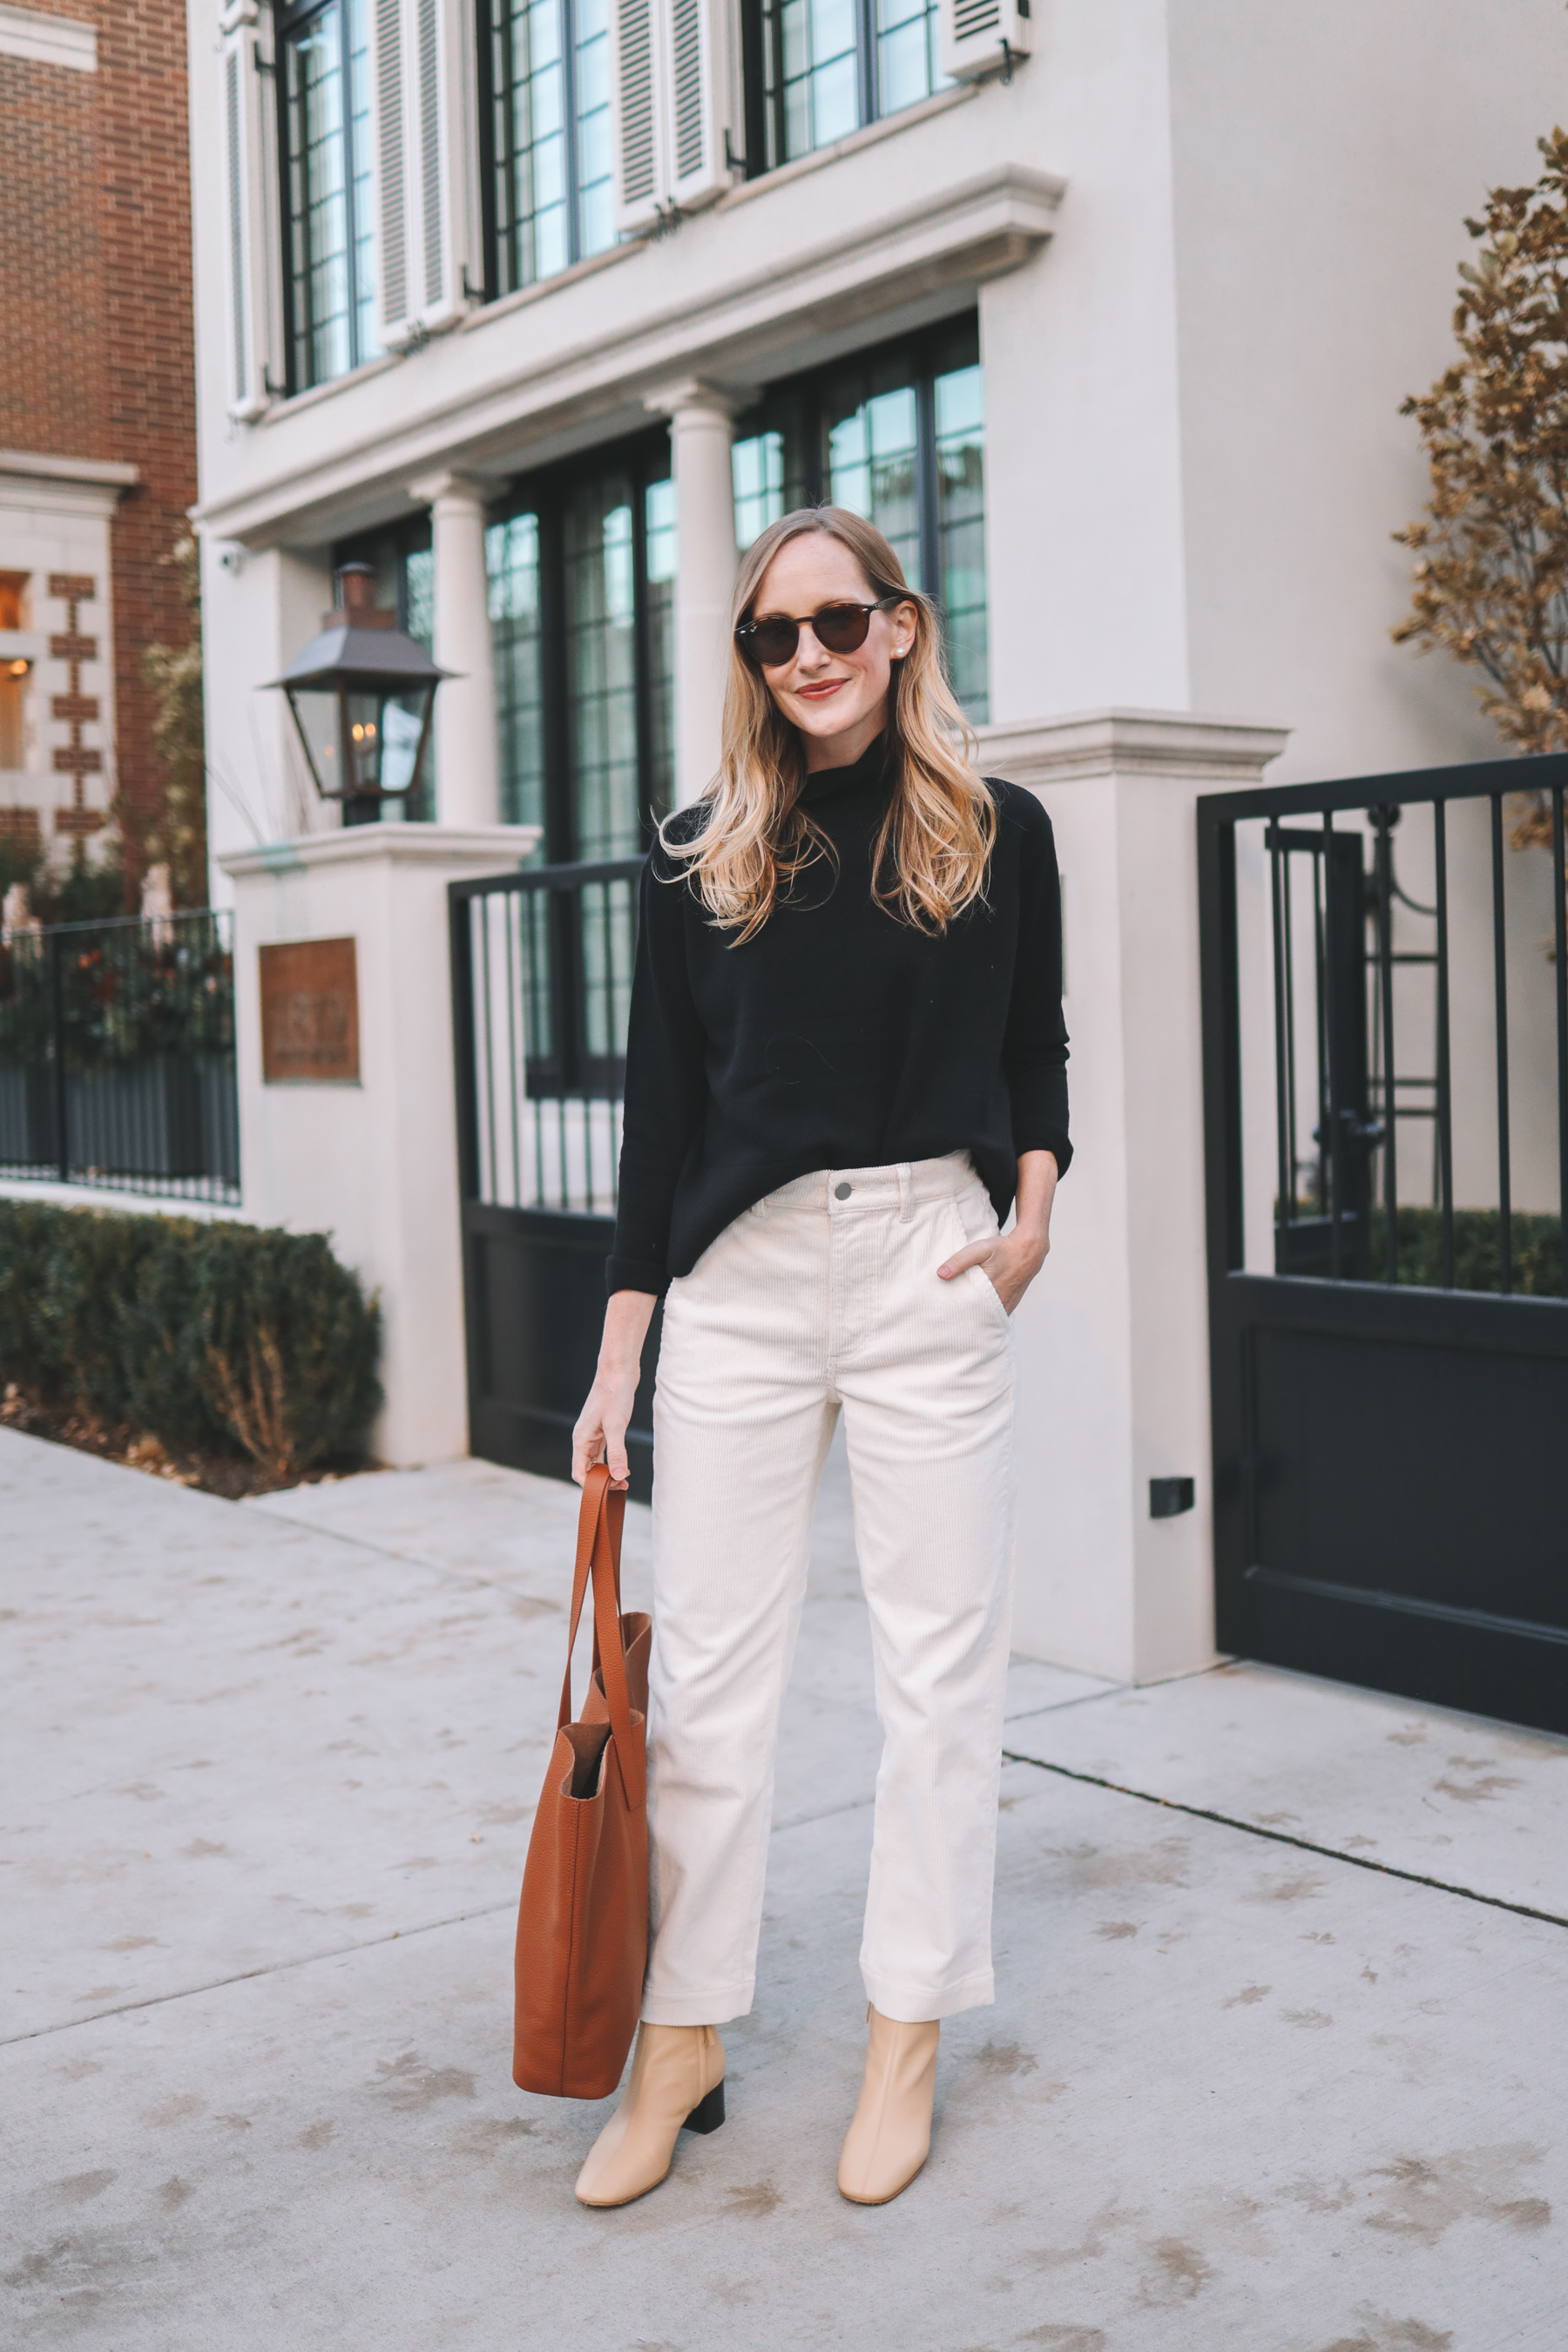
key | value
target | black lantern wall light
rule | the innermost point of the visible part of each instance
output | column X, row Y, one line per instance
column 363, row 696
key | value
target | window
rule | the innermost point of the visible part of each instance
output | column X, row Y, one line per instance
column 898, row 437
column 582, row 575
column 12, row 712
column 819, row 68
column 404, row 570
column 545, row 112
column 328, row 274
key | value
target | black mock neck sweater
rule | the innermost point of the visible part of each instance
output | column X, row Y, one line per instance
column 838, row 1037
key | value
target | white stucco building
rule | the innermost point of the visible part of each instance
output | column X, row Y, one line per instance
column 1110, row 334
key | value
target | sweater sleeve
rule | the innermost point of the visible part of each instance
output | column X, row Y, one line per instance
column 1035, row 1043
column 666, row 1084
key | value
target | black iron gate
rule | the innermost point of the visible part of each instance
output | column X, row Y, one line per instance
column 1389, row 1360
column 542, row 973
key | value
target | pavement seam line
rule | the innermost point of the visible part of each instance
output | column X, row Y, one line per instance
column 1283, row 1837
column 249, row 1975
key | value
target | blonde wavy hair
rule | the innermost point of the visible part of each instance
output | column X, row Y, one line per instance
column 932, row 855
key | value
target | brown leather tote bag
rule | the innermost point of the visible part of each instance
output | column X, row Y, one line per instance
column 582, row 1924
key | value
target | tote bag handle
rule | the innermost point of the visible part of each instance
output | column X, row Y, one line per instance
column 599, row 1523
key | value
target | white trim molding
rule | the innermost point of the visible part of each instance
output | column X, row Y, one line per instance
column 41, row 40
column 737, row 327
column 1081, row 744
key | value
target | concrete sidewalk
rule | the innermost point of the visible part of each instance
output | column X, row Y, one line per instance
column 267, row 1773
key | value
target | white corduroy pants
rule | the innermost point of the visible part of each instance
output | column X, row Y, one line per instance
column 826, row 1297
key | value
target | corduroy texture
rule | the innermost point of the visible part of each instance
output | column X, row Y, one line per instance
column 808, row 1304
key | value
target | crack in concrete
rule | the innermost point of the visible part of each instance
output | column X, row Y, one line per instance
column 1283, row 1837
column 267, row 1969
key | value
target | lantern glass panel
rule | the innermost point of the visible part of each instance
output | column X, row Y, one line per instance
column 402, row 732
column 315, row 711
column 362, row 717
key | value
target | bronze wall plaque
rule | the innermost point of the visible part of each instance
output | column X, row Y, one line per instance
column 310, row 1012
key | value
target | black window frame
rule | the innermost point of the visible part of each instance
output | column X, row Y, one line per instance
column 930, row 352
column 646, row 458
column 290, row 18
column 758, row 67
column 486, row 33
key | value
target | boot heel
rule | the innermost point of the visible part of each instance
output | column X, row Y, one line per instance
column 709, row 2114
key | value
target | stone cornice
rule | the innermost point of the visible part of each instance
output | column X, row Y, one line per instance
column 99, row 473
column 731, row 329
column 476, row 849
column 1115, row 742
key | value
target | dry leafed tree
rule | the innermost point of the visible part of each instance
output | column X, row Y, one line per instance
column 1491, row 579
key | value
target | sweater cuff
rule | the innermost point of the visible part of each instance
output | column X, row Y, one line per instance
column 1048, row 1139
column 633, row 1274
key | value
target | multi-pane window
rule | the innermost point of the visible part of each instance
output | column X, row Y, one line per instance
column 545, row 110
column 323, row 97
column 898, row 437
column 821, row 69
column 582, row 577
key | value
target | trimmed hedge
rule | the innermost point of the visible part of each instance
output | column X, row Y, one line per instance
column 1535, row 1250
column 216, row 1339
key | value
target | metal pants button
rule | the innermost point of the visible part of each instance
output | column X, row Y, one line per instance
column 842, row 1191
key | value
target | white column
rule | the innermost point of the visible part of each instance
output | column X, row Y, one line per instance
column 468, row 760
column 700, row 428
column 1113, row 1351
column 372, row 1161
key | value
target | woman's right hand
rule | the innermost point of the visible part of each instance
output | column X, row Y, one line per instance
column 600, row 1434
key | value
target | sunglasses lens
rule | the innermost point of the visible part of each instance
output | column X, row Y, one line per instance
column 841, row 627
column 773, row 642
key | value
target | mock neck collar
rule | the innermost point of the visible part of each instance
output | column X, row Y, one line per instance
column 831, row 783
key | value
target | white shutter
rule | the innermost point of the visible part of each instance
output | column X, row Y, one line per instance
column 698, row 81
column 389, row 134
column 637, row 112
column 426, row 208
column 982, row 37
column 244, row 213
column 444, row 141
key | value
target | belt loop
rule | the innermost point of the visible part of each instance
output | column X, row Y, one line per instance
column 906, row 1192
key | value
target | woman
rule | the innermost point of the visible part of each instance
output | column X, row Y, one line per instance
column 846, row 1059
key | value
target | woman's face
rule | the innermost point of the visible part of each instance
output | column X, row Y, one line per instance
column 839, row 702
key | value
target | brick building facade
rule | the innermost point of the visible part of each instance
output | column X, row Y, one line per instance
column 98, row 461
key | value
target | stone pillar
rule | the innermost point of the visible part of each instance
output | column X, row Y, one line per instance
column 371, row 1158
column 700, row 429
column 468, row 756
column 1113, row 1351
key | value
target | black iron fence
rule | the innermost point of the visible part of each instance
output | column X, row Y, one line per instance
column 117, row 1060
column 1420, row 1034
column 542, row 989
column 542, row 985
column 1387, row 1132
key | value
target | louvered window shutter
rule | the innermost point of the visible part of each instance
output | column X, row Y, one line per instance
column 445, row 143
column 637, row 111
column 399, row 321
column 244, row 217
column 698, row 79
column 426, row 208
column 980, row 37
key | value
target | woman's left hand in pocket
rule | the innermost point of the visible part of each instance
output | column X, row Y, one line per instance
column 1013, row 1259
column 1011, row 1262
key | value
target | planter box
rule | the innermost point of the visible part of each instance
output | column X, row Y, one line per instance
column 145, row 1119
column 27, row 1119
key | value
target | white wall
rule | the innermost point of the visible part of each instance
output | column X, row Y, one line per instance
column 255, row 616
column 1324, row 159
column 1084, row 550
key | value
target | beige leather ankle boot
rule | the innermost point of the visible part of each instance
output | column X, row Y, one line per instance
column 676, row 2084
column 889, row 2139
